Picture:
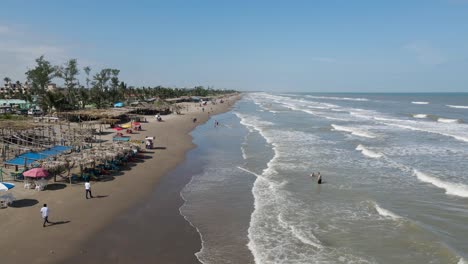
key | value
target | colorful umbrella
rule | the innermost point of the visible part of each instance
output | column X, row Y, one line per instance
column 5, row 186
column 136, row 123
column 126, row 125
column 117, row 128
column 36, row 173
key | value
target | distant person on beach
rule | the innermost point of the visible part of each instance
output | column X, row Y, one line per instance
column 194, row 120
column 88, row 189
column 45, row 214
column 313, row 174
column 319, row 178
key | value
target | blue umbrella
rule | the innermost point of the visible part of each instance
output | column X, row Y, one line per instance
column 4, row 186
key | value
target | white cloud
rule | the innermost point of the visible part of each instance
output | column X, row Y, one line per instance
column 425, row 54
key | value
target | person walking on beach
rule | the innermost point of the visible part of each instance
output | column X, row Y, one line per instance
column 45, row 214
column 88, row 189
column 319, row 178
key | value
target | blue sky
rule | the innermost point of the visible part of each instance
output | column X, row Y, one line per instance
column 310, row 46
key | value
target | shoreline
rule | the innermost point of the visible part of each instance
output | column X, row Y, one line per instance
column 80, row 219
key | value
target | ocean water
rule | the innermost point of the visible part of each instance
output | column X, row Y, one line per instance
column 395, row 180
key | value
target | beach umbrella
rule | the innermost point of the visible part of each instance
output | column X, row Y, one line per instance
column 126, row 125
column 5, row 186
column 136, row 123
column 117, row 128
column 36, row 173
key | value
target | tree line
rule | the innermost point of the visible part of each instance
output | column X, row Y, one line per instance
column 101, row 89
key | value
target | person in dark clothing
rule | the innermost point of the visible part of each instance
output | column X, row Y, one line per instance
column 319, row 178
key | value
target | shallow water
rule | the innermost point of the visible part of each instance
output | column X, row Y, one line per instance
column 394, row 166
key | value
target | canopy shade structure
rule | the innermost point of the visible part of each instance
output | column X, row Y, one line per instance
column 36, row 173
column 30, row 157
column 118, row 104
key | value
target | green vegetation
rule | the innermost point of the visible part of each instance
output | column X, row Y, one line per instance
column 102, row 90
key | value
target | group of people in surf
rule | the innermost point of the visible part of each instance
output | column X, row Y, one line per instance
column 319, row 177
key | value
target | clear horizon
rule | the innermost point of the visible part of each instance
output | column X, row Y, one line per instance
column 274, row 46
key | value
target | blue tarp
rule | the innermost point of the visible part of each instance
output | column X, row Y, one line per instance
column 121, row 139
column 119, row 104
column 30, row 157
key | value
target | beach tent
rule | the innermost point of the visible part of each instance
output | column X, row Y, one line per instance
column 118, row 104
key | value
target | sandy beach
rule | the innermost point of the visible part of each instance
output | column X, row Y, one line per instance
column 77, row 220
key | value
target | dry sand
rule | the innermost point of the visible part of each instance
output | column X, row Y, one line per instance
column 24, row 240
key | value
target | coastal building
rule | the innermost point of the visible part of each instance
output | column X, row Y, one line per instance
column 13, row 104
column 10, row 88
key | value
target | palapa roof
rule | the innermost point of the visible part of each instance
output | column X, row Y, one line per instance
column 98, row 113
column 18, row 124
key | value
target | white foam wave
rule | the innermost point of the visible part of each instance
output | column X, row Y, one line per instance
column 446, row 120
column 458, row 106
column 420, row 103
column 337, row 98
column 385, row 213
column 426, row 128
column 353, row 131
column 299, row 234
column 181, row 209
column 462, row 261
column 244, row 155
column 368, row 153
column 420, row 116
column 450, row 188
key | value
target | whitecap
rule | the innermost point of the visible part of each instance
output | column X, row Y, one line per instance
column 420, row 116
column 446, row 120
column 353, row 131
column 458, row 106
column 385, row 213
column 420, row 103
column 450, row 188
column 337, row 98
column 368, row 153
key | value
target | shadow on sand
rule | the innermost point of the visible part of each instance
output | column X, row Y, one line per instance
column 58, row 223
column 24, row 203
column 55, row 186
column 100, row 196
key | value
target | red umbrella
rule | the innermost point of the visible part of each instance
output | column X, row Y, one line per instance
column 36, row 173
column 136, row 123
column 117, row 128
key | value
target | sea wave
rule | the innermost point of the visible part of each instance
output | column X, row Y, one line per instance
column 385, row 213
column 420, row 116
column 338, row 98
column 447, row 120
column 368, row 153
column 354, row 131
column 450, row 188
column 308, row 239
column 458, row 106
column 420, row 103
column 425, row 129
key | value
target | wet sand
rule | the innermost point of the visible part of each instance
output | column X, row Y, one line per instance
column 80, row 223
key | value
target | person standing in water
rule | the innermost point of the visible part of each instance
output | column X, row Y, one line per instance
column 319, row 178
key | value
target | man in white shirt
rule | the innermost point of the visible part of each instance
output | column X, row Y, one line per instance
column 88, row 189
column 45, row 214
